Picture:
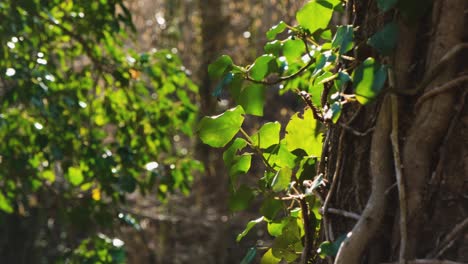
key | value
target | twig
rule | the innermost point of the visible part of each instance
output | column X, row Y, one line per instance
column 435, row 71
column 308, row 233
column 285, row 78
column 354, row 131
column 342, row 213
column 427, row 261
column 258, row 150
column 339, row 161
column 442, row 89
column 399, row 175
column 449, row 239
column 321, row 164
column 308, row 100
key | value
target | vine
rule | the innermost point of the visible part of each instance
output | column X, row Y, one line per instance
column 311, row 59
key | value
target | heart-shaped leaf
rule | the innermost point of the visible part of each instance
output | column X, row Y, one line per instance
column 217, row 131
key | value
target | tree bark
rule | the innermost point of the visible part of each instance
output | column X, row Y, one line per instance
column 433, row 128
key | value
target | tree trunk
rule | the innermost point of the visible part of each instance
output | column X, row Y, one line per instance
column 430, row 220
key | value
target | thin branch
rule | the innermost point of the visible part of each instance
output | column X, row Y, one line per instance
column 354, row 131
column 442, row 89
column 257, row 150
column 308, row 232
column 435, row 71
column 399, row 175
column 342, row 213
column 308, row 100
column 288, row 77
column 450, row 238
column 339, row 161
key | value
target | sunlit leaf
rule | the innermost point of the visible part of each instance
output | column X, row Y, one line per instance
column 263, row 66
column 293, row 50
column 218, row 68
column 267, row 135
column 315, row 15
column 281, row 180
column 368, row 80
column 5, row 204
column 75, row 176
column 302, row 133
column 272, row 32
column 268, row 258
column 252, row 99
column 217, row 131
column 249, row 226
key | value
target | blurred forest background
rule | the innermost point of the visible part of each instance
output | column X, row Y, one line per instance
column 81, row 62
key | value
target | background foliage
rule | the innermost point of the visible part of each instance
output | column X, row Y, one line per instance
column 84, row 120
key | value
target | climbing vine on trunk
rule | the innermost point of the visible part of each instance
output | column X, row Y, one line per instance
column 338, row 72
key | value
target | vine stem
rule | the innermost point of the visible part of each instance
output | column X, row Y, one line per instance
column 257, row 150
column 339, row 161
column 288, row 77
column 399, row 178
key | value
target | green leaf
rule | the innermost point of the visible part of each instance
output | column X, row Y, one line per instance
column 5, row 204
column 289, row 242
column 315, row 15
column 48, row 175
column 250, row 256
column 217, row 131
column 240, row 199
column 275, row 30
column 302, row 133
column 230, row 155
column 268, row 258
column 263, row 66
column 369, row 79
column 330, row 249
column 386, row 5
column 252, row 99
column 282, row 179
column 385, row 40
column 343, row 39
column 280, row 156
column 249, row 226
column 75, row 176
column 270, row 207
column 315, row 184
column 276, row 228
column 333, row 113
column 241, row 165
column 224, row 82
column 220, row 67
column 268, row 135
column 273, row 47
column 293, row 50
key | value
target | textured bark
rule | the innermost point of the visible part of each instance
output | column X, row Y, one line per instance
column 432, row 137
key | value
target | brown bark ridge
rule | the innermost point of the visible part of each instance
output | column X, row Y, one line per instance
column 431, row 118
column 358, row 239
